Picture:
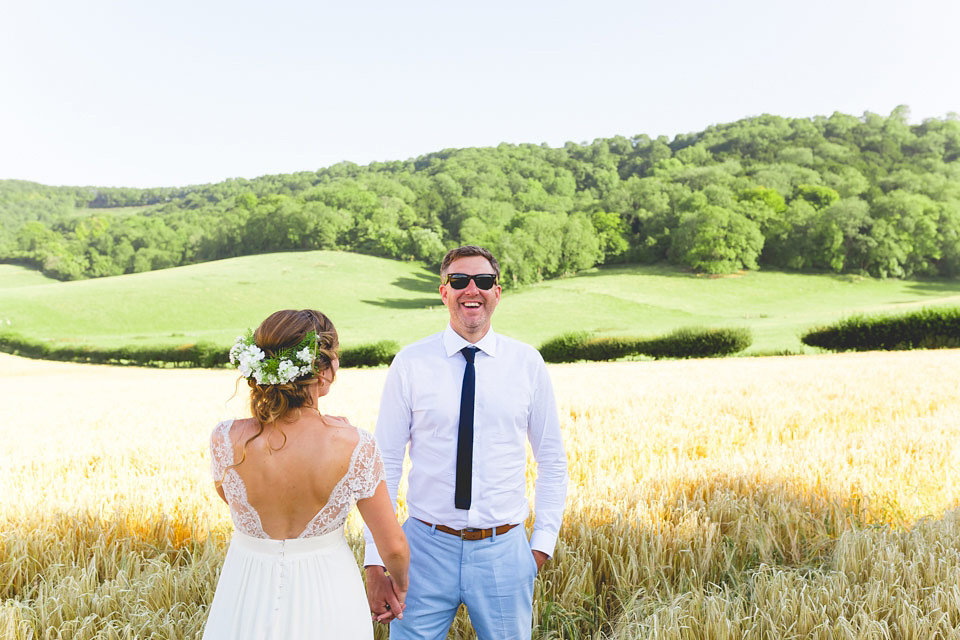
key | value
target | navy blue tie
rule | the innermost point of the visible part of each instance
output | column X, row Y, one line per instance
column 461, row 496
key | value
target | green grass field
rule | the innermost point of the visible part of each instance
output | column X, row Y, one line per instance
column 12, row 276
column 373, row 299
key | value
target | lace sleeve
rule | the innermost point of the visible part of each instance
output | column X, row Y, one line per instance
column 368, row 469
column 221, row 451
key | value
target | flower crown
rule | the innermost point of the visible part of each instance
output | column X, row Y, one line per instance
column 283, row 367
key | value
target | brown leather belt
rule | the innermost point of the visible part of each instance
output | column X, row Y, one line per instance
column 472, row 534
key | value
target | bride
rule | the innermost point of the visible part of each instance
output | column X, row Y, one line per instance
column 290, row 475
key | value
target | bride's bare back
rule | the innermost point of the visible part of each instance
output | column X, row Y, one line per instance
column 290, row 488
column 289, row 482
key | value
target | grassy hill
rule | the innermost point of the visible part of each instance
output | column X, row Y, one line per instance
column 372, row 299
column 12, row 276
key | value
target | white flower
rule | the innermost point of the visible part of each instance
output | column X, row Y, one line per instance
column 239, row 345
column 252, row 362
column 248, row 360
column 287, row 371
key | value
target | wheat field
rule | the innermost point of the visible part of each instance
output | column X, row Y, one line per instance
column 782, row 497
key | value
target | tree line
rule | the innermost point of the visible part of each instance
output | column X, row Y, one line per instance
column 871, row 194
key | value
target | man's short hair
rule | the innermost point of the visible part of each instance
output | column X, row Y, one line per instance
column 466, row 251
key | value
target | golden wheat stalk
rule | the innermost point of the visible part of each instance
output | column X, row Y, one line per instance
column 801, row 497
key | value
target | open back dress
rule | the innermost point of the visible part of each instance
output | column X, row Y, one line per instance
column 299, row 588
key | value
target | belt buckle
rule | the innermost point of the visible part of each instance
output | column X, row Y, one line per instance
column 465, row 531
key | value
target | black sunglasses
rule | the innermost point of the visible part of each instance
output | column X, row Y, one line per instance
column 462, row 281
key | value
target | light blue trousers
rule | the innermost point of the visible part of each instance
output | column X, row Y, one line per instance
column 492, row 577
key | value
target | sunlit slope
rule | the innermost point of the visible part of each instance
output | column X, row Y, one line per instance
column 368, row 298
column 373, row 299
column 776, row 306
column 16, row 276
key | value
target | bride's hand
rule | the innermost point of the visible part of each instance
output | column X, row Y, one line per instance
column 385, row 603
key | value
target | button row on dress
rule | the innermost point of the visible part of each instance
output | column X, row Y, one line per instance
column 280, row 567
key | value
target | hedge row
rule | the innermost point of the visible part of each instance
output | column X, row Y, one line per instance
column 699, row 343
column 931, row 328
column 202, row 354
column 682, row 343
column 569, row 347
column 369, row 355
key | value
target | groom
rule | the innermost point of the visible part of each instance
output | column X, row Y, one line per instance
column 467, row 400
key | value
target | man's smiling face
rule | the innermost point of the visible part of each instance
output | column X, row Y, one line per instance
column 471, row 309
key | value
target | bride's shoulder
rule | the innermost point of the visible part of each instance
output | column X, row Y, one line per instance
column 233, row 429
column 222, row 427
column 336, row 421
column 340, row 430
column 243, row 425
column 340, row 426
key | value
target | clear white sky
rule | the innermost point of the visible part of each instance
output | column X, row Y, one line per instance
column 175, row 92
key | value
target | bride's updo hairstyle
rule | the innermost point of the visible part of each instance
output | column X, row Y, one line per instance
column 283, row 330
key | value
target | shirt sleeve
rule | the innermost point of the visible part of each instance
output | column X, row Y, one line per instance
column 368, row 468
column 392, row 434
column 543, row 430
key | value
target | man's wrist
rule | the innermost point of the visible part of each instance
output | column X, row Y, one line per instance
column 543, row 542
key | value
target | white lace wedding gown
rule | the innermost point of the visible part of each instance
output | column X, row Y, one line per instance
column 307, row 587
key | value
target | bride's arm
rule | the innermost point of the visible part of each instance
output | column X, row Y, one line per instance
column 377, row 512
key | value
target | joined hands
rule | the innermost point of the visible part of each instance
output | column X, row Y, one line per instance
column 386, row 599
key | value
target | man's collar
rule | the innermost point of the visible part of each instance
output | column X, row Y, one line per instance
column 453, row 342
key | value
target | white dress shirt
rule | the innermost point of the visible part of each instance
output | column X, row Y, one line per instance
column 514, row 402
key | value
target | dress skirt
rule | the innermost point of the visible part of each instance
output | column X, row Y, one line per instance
column 289, row 590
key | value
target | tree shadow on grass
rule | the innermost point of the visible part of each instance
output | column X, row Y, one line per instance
column 934, row 286
column 422, row 282
column 937, row 287
column 406, row 303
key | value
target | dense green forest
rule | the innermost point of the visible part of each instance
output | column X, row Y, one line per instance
column 871, row 194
